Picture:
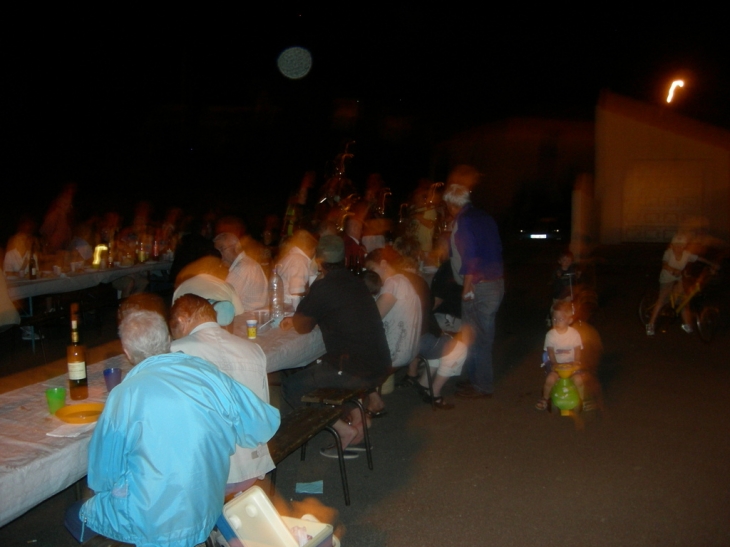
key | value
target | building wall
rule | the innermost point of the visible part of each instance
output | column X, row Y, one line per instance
column 658, row 174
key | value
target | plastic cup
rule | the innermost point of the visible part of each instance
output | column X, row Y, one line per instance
column 112, row 377
column 56, row 398
column 251, row 327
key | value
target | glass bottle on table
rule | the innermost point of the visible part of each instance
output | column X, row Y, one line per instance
column 276, row 297
column 76, row 359
column 33, row 264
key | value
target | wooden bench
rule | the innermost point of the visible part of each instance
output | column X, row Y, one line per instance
column 295, row 431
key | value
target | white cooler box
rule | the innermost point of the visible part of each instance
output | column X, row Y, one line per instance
column 257, row 523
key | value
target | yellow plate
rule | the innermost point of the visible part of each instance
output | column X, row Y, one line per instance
column 80, row 414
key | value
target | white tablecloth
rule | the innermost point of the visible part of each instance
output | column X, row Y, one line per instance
column 34, row 466
column 25, row 288
column 285, row 349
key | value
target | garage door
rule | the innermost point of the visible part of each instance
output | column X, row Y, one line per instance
column 658, row 196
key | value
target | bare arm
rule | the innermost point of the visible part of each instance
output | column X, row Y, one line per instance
column 385, row 303
column 301, row 323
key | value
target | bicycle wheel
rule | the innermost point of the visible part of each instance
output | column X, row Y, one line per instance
column 646, row 305
column 707, row 323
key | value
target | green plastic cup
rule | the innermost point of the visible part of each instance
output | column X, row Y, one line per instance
column 56, row 397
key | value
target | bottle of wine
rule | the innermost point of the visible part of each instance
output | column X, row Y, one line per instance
column 33, row 266
column 76, row 358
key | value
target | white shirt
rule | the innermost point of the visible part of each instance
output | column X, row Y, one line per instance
column 294, row 269
column 245, row 362
column 671, row 260
column 563, row 344
column 14, row 262
column 403, row 321
column 248, row 279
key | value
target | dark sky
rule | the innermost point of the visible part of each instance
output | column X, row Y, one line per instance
column 82, row 89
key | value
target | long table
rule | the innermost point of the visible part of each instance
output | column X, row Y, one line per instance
column 34, row 466
column 76, row 281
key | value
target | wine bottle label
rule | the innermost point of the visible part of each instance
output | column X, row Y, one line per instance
column 74, row 324
column 77, row 371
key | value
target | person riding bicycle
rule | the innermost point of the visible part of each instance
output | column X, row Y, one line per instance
column 675, row 258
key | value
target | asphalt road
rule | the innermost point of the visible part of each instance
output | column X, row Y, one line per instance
column 651, row 468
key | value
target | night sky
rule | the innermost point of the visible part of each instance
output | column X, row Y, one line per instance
column 189, row 107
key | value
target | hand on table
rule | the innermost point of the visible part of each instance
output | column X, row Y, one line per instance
column 286, row 323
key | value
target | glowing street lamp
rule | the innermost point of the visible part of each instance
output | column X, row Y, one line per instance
column 675, row 84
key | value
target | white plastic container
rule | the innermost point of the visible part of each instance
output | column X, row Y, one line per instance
column 257, row 523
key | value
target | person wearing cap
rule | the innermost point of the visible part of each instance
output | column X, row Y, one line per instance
column 357, row 350
column 675, row 258
column 244, row 273
column 476, row 262
column 221, row 295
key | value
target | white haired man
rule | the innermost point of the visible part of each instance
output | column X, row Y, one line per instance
column 244, row 273
column 160, row 453
column 476, row 261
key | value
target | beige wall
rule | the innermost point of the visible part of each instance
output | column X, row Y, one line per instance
column 650, row 179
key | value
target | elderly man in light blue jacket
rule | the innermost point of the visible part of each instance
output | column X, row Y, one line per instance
column 159, row 457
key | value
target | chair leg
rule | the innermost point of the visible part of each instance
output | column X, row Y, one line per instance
column 272, row 483
column 341, row 459
column 368, row 451
column 429, row 377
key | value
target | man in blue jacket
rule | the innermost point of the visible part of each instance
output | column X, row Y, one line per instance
column 159, row 456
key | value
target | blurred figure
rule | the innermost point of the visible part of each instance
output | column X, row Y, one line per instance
column 476, row 262
column 675, row 259
column 296, row 266
column 354, row 249
column 296, row 216
column 244, row 274
column 56, row 228
column 20, row 247
column 194, row 244
column 142, row 302
column 423, row 215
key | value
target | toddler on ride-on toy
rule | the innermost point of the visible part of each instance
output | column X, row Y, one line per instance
column 563, row 344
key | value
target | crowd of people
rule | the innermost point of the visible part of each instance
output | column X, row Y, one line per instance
column 345, row 269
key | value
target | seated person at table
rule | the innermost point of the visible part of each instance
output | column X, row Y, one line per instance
column 144, row 301
column 398, row 305
column 400, row 309
column 357, row 352
column 160, row 453
column 244, row 273
column 196, row 332
column 295, row 267
column 219, row 293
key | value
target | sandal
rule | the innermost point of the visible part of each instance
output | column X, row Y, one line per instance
column 408, row 381
column 542, row 404
column 379, row 414
column 439, row 402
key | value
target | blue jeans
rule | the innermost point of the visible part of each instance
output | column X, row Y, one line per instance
column 480, row 314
